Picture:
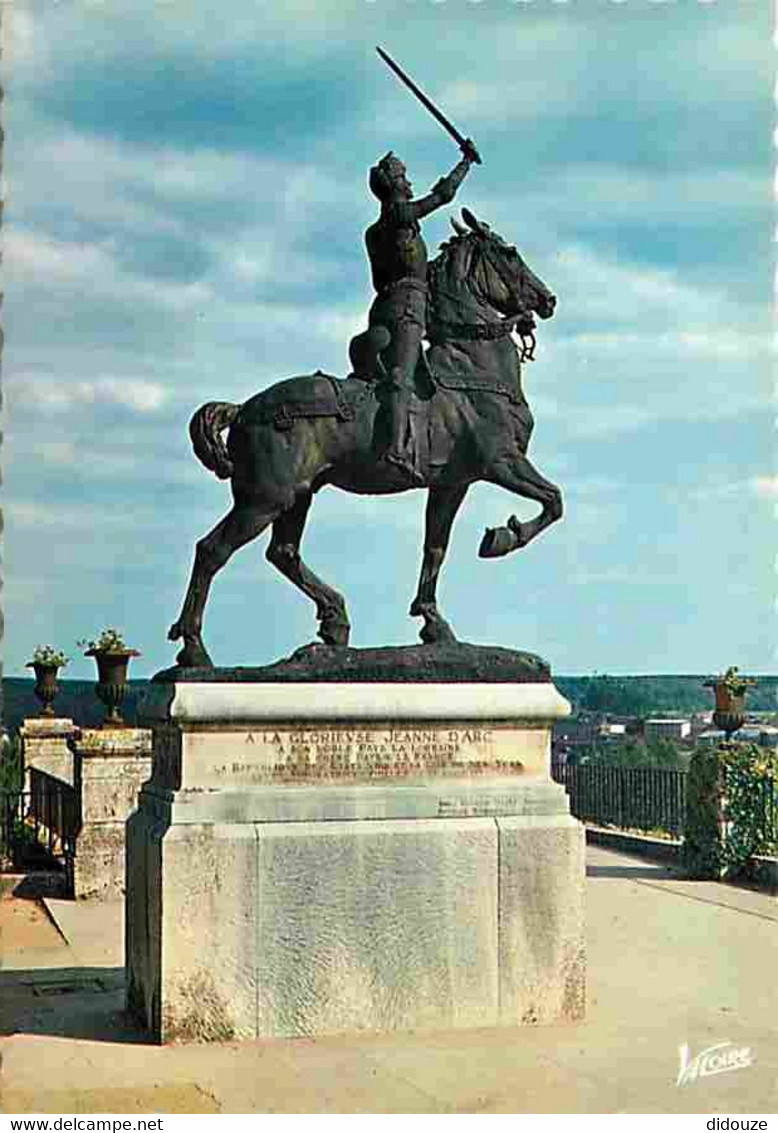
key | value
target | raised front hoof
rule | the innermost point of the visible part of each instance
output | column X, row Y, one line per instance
column 334, row 632
column 194, row 655
column 498, row 541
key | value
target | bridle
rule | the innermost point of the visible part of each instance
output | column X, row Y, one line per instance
column 489, row 330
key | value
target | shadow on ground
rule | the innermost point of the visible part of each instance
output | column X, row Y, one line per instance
column 625, row 872
column 72, row 1003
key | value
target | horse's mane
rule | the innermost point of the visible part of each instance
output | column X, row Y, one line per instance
column 450, row 248
column 449, row 252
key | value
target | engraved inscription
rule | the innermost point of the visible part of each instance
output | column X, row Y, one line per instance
column 468, row 807
column 293, row 754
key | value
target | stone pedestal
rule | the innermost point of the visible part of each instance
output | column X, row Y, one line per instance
column 316, row 857
column 45, row 747
column 110, row 766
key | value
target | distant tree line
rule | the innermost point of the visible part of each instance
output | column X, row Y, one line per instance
column 655, row 695
column 634, row 752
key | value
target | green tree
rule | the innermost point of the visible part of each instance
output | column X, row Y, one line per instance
column 663, row 753
column 11, row 771
column 613, row 695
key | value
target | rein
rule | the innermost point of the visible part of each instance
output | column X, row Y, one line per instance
column 441, row 330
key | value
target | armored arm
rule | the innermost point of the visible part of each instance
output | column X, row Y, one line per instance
column 441, row 193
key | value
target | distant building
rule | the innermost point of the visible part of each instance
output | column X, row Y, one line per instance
column 575, row 730
column 667, row 729
column 711, row 737
column 764, row 736
column 758, row 734
column 611, row 729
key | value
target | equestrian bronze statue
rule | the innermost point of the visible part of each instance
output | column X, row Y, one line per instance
column 441, row 418
column 468, row 421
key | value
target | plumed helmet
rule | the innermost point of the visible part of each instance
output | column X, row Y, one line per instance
column 384, row 175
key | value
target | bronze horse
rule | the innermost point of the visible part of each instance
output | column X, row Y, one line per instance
column 469, row 422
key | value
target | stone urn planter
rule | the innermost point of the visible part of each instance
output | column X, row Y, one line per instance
column 113, row 657
column 730, row 691
column 46, row 663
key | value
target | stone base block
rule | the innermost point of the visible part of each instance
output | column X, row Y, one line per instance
column 279, row 929
column 312, row 857
column 111, row 765
column 99, row 864
column 45, row 745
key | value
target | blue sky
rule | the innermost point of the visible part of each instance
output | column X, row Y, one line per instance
column 186, row 197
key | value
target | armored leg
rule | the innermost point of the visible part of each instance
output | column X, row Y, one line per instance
column 399, row 451
column 404, row 351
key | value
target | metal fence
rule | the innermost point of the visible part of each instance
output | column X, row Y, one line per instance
column 39, row 827
column 634, row 798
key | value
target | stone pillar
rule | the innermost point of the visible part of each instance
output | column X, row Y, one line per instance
column 311, row 858
column 45, row 747
column 111, row 764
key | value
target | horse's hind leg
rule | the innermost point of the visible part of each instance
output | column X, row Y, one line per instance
column 238, row 527
column 284, row 553
column 519, row 475
column 442, row 506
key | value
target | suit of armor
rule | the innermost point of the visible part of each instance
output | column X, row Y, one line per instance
column 398, row 263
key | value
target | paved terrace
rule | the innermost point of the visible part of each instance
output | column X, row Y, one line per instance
column 670, row 962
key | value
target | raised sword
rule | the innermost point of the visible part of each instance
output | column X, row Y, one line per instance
column 465, row 144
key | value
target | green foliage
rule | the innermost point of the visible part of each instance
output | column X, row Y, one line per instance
column 749, row 782
column 612, row 695
column 11, row 770
column 701, row 853
column 658, row 694
column 622, row 753
column 634, row 752
column 664, row 753
column 731, row 811
column 732, row 680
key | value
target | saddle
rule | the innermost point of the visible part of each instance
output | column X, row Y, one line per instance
column 314, row 395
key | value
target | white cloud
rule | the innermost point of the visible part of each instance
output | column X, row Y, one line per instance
column 41, row 261
column 45, row 517
column 24, row 39
column 58, row 396
column 609, row 194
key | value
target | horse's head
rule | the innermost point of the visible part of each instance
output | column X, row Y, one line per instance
column 481, row 262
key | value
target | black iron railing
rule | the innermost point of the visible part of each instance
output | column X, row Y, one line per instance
column 633, row 798
column 39, row 827
column 56, row 811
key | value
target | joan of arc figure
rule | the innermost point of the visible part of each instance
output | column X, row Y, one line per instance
column 398, row 263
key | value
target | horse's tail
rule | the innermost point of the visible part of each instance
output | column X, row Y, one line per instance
column 206, row 428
